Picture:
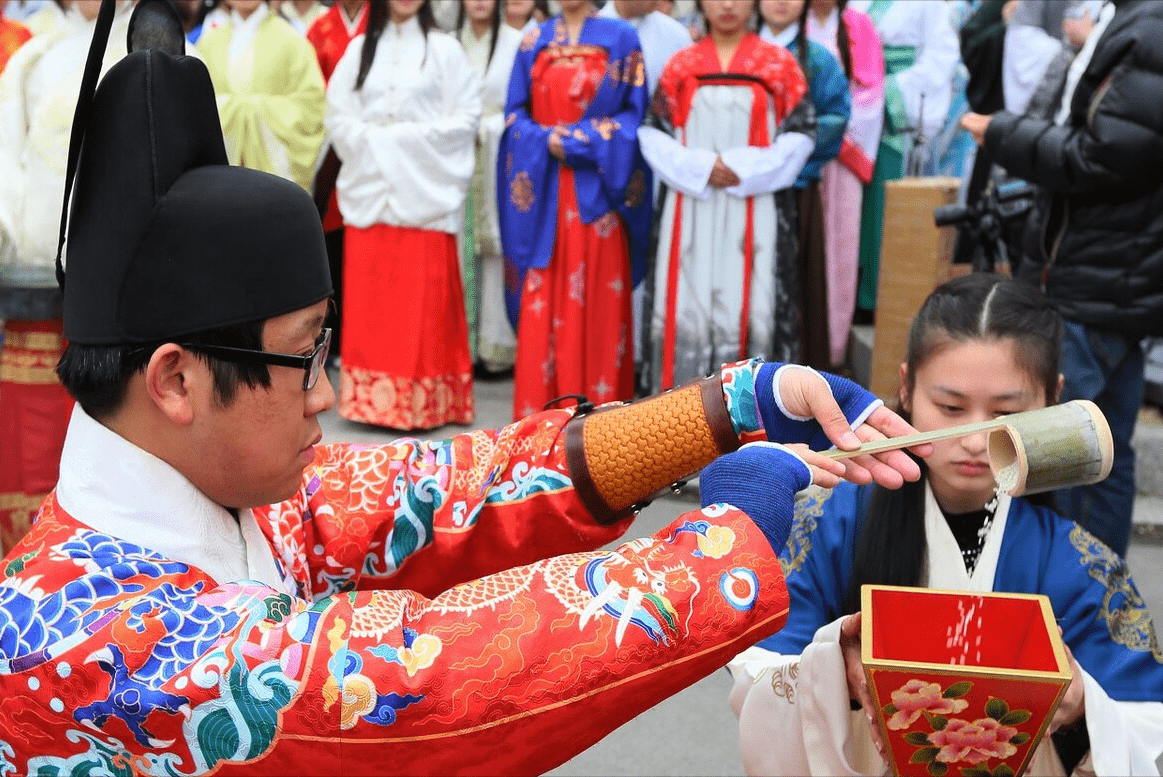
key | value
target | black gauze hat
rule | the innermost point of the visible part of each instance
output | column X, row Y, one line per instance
column 165, row 238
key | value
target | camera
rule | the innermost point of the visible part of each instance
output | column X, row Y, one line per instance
column 990, row 229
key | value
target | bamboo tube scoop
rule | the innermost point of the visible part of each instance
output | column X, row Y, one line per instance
column 1039, row 450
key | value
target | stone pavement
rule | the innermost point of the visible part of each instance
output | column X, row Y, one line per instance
column 694, row 732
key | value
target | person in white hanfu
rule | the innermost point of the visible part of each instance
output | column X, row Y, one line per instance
column 920, row 57
column 981, row 346
column 491, row 47
column 734, row 125
column 403, row 107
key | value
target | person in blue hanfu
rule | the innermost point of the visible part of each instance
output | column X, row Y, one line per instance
column 981, row 346
column 574, row 198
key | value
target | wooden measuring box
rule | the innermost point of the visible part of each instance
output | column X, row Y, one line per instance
column 965, row 681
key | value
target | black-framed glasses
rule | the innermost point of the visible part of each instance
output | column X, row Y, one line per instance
column 311, row 365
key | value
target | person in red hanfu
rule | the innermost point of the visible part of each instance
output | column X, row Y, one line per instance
column 13, row 35
column 575, row 206
column 209, row 589
column 403, row 108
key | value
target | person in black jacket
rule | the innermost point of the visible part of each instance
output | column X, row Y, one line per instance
column 1097, row 250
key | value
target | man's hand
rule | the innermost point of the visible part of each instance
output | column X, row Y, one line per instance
column 762, row 479
column 1073, row 704
column 977, row 124
column 722, row 176
column 857, row 683
column 835, row 403
column 556, row 149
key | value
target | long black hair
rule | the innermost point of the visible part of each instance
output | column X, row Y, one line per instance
column 890, row 549
column 494, row 28
column 377, row 20
column 843, row 42
column 802, row 37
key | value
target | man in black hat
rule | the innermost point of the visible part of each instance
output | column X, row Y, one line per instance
column 210, row 589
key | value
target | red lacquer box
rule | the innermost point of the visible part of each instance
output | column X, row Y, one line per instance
column 966, row 682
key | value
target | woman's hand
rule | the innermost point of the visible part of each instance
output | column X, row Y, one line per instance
column 722, row 176
column 1073, row 704
column 807, row 394
column 556, row 149
column 857, row 682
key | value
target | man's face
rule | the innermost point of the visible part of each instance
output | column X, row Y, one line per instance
column 255, row 450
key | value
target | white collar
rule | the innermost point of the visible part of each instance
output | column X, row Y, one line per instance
column 944, row 566
column 118, row 489
column 784, row 38
column 351, row 25
column 469, row 36
column 244, row 31
column 409, row 28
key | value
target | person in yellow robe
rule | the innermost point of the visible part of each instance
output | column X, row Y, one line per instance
column 270, row 91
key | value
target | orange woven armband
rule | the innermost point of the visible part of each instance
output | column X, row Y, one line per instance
column 620, row 456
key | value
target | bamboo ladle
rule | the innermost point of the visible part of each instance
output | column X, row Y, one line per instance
column 1038, row 450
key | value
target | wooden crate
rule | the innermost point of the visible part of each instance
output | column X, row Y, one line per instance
column 915, row 257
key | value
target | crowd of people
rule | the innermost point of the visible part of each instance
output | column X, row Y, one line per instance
column 607, row 200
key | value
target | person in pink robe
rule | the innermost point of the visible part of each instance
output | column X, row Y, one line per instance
column 851, row 37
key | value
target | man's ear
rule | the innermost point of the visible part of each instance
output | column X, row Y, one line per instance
column 902, row 394
column 173, row 381
column 1058, row 391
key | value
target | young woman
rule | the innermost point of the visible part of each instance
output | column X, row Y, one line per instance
column 575, row 206
column 491, row 48
column 785, row 24
column 270, row 91
column 981, row 346
column 851, row 37
column 525, row 15
column 403, row 107
column 733, row 125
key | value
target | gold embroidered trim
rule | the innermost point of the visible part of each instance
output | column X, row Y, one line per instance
column 809, row 508
column 34, row 341
column 1123, row 609
column 521, row 192
column 785, row 688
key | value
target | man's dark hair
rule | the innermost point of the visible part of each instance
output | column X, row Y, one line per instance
column 97, row 376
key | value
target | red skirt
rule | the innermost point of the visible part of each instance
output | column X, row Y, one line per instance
column 574, row 334
column 34, row 414
column 406, row 362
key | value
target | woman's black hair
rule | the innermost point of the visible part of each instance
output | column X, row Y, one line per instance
column 843, row 42
column 377, row 20
column 802, row 37
column 538, row 5
column 890, row 549
column 494, row 28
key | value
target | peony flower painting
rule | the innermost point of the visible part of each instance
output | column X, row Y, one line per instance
column 956, row 741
